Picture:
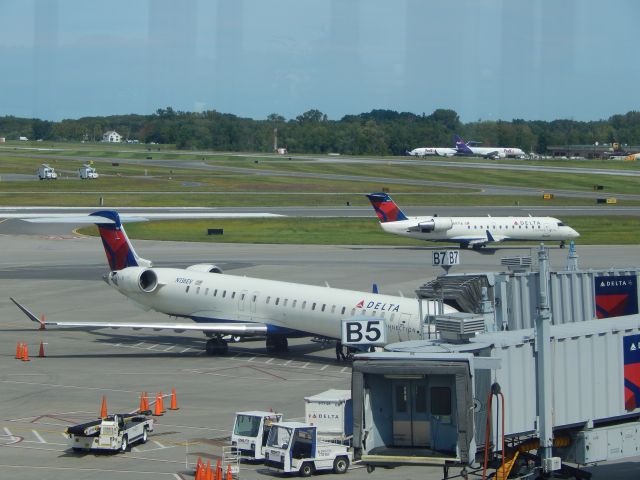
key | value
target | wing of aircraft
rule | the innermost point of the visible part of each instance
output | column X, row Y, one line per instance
column 235, row 329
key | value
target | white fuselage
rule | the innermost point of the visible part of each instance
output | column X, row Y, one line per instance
column 282, row 306
column 474, row 229
column 501, row 152
column 440, row 151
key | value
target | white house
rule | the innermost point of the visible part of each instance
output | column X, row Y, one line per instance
column 112, row 137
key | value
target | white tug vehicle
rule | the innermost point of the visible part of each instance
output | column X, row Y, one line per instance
column 112, row 433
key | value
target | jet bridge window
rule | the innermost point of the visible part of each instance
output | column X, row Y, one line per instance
column 277, row 300
column 233, row 295
column 324, row 305
column 224, row 293
column 187, row 289
column 313, row 307
column 344, row 309
column 215, row 292
column 440, row 401
column 254, row 298
column 268, row 299
column 242, row 296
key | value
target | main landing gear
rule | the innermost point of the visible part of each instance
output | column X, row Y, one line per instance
column 277, row 344
column 562, row 244
column 216, row 346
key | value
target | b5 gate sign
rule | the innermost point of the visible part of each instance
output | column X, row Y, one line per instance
column 616, row 295
column 364, row 332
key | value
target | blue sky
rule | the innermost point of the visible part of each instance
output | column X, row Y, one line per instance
column 485, row 59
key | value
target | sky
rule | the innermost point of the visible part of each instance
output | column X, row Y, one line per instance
column 485, row 59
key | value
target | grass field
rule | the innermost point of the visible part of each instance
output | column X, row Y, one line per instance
column 270, row 180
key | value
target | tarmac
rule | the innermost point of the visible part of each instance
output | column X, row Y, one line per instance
column 60, row 276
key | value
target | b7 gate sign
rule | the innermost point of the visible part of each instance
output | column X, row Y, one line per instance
column 616, row 296
column 364, row 332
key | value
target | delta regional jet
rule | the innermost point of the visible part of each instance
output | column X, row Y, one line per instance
column 222, row 305
column 468, row 231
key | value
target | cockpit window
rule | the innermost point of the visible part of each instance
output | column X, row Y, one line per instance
column 561, row 224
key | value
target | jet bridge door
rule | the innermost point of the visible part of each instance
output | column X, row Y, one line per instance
column 424, row 413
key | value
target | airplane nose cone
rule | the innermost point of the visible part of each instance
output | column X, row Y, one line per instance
column 574, row 234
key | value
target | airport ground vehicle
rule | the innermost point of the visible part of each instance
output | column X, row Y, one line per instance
column 114, row 432
column 251, row 430
column 295, row 447
column 87, row 172
column 45, row 172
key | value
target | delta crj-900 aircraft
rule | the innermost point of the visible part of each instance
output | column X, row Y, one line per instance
column 468, row 231
column 223, row 305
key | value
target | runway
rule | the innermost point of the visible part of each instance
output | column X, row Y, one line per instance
column 60, row 276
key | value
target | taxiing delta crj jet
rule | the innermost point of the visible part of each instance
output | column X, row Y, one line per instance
column 223, row 305
column 468, row 231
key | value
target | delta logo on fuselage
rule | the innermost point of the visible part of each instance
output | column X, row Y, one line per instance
column 380, row 306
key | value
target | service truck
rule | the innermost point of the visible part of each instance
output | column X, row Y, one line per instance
column 250, row 432
column 295, row 447
column 113, row 433
column 45, row 172
column 87, row 172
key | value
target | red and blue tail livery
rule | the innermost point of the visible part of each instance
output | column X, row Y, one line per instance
column 119, row 251
column 385, row 208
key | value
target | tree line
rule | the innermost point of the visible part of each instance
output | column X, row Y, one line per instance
column 379, row 132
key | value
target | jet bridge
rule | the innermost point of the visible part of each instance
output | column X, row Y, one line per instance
column 574, row 295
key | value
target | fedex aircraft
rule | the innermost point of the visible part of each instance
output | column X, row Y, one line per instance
column 221, row 305
column 468, row 231
column 440, row 151
column 470, row 148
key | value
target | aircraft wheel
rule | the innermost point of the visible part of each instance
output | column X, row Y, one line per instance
column 216, row 346
column 125, row 444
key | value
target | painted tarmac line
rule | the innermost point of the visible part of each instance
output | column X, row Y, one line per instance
column 169, row 348
column 152, row 346
column 324, row 368
column 159, row 444
column 269, row 361
column 186, row 350
column 38, row 436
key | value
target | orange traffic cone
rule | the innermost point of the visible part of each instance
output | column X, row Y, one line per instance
column 162, row 403
column 229, row 475
column 41, row 352
column 218, row 470
column 103, row 409
column 199, row 468
column 157, row 411
column 19, row 351
column 25, row 353
column 211, row 474
column 207, row 470
column 174, row 401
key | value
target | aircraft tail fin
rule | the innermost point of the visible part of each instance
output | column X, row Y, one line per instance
column 117, row 247
column 461, row 146
column 385, row 208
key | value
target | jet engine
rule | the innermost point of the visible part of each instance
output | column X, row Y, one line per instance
column 433, row 225
column 205, row 268
column 135, row 279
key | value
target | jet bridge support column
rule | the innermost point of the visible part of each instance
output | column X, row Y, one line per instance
column 543, row 363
